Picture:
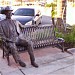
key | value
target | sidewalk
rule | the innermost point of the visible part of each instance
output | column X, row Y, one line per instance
column 51, row 61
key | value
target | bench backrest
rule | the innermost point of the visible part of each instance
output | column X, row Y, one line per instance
column 40, row 35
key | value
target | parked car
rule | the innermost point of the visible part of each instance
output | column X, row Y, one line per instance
column 27, row 16
column 41, row 3
column 1, row 8
column 2, row 16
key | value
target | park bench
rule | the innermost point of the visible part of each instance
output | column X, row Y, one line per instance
column 41, row 36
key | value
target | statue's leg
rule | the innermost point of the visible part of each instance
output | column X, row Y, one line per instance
column 31, row 54
column 15, row 54
column 28, row 43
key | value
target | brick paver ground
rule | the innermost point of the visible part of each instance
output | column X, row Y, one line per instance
column 51, row 61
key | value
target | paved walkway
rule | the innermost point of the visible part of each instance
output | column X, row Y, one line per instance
column 51, row 61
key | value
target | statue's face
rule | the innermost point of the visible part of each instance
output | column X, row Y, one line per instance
column 8, row 14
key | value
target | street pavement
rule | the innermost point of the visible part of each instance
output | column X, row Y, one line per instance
column 51, row 61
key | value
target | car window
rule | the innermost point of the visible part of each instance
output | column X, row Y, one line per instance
column 1, row 8
column 24, row 12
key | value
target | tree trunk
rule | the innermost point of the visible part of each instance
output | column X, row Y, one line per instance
column 61, row 15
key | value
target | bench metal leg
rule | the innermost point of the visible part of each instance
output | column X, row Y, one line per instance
column 63, row 47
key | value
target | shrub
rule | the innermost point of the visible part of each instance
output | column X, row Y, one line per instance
column 69, row 37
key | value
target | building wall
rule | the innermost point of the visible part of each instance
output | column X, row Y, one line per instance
column 31, row 0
